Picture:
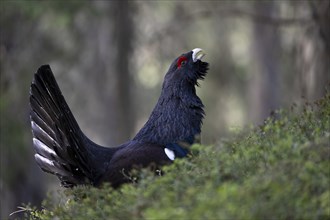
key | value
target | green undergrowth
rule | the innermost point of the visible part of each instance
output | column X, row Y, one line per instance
column 280, row 170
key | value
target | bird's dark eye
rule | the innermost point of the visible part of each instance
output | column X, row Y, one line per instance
column 181, row 61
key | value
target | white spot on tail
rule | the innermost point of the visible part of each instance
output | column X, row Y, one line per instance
column 44, row 160
column 169, row 153
column 39, row 145
column 35, row 126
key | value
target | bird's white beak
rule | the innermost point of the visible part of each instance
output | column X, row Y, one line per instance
column 198, row 54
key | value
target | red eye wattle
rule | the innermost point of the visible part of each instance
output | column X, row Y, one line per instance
column 181, row 61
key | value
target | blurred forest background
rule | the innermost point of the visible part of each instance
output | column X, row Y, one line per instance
column 109, row 58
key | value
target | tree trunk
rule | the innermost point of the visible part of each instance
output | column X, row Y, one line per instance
column 264, row 84
column 122, row 15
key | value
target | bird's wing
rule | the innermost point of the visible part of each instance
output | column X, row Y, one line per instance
column 61, row 147
column 134, row 155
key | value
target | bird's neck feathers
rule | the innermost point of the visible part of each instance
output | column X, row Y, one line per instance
column 176, row 117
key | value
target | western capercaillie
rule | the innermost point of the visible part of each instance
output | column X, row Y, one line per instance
column 63, row 150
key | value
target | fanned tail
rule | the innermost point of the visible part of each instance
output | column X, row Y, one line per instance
column 61, row 147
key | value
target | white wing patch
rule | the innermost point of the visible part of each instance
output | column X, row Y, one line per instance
column 169, row 153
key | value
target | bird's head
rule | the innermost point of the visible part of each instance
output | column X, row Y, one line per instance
column 177, row 116
column 188, row 67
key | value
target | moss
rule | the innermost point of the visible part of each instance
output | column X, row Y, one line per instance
column 279, row 170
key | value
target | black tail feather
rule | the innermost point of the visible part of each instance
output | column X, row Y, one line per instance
column 61, row 148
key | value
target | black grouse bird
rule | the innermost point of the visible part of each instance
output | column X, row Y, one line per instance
column 62, row 148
